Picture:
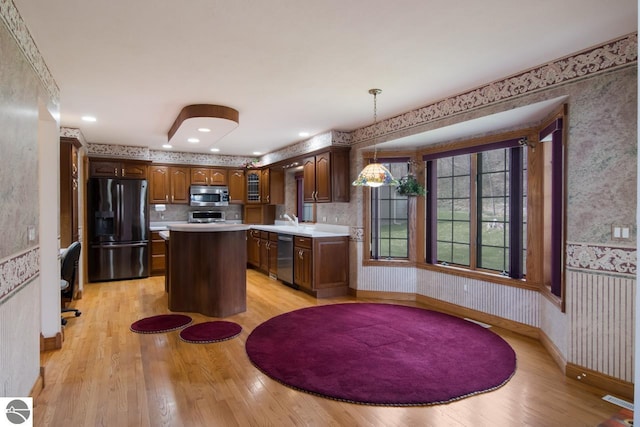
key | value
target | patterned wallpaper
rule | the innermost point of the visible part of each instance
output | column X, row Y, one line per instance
column 12, row 19
column 615, row 54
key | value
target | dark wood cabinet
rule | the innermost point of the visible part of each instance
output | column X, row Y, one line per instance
column 326, row 176
column 253, row 248
column 169, row 184
column 69, row 191
column 179, row 185
column 259, row 214
column 236, row 186
column 262, row 251
column 272, row 186
column 103, row 168
column 208, row 176
column 303, row 262
column 273, row 255
column 158, row 254
column 321, row 265
column 253, row 186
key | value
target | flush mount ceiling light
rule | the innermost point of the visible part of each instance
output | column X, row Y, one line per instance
column 204, row 122
column 375, row 174
column 89, row 118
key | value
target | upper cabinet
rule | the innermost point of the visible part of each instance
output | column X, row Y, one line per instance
column 169, row 184
column 272, row 186
column 265, row 186
column 118, row 169
column 236, row 186
column 208, row 176
column 253, row 186
column 326, row 176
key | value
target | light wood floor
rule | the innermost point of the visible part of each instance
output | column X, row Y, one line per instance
column 106, row 375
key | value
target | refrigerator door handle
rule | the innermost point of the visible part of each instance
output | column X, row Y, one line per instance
column 119, row 210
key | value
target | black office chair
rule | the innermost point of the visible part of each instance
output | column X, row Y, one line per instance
column 68, row 273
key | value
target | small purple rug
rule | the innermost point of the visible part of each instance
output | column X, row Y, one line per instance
column 160, row 323
column 209, row 332
column 381, row 354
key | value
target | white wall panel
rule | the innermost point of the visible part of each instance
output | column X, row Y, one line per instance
column 19, row 335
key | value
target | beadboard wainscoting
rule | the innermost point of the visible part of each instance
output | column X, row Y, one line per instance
column 508, row 302
column 601, row 310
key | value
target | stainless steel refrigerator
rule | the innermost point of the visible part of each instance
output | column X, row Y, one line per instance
column 118, row 229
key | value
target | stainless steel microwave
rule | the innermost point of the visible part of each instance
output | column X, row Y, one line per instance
column 209, row 195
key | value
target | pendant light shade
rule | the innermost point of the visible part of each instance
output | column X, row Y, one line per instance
column 375, row 174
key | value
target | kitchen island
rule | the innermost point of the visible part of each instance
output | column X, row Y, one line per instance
column 206, row 268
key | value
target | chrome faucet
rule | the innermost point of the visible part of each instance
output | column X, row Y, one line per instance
column 293, row 220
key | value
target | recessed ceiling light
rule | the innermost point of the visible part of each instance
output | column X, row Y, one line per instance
column 256, row 153
column 89, row 118
column 167, row 146
column 215, row 150
column 303, row 134
column 193, row 140
column 204, row 130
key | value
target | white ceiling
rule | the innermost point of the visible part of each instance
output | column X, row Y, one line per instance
column 293, row 65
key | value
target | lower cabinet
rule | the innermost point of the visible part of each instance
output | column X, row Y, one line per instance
column 158, row 258
column 320, row 264
column 303, row 262
column 262, row 251
column 253, row 248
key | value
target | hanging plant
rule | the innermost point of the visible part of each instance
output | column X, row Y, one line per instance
column 409, row 186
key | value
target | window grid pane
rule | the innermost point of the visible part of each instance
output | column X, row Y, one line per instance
column 493, row 204
column 390, row 231
column 453, row 210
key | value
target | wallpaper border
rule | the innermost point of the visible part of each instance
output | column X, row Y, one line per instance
column 608, row 56
column 17, row 270
column 596, row 257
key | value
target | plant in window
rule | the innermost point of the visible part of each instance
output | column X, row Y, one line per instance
column 409, row 186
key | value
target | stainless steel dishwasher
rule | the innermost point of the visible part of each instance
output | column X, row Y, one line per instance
column 285, row 258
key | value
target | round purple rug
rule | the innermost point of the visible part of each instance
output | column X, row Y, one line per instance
column 160, row 323
column 209, row 332
column 381, row 354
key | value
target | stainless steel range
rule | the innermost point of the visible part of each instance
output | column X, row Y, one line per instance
column 206, row 216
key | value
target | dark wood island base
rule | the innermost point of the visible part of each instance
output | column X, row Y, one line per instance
column 207, row 269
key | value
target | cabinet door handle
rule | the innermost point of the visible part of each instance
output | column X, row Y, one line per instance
column 122, row 171
column 166, row 197
column 115, row 171
column 300, row 254
column 258, row 243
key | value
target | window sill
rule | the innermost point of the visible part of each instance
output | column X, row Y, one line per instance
column 388, row 263
column 481, row 275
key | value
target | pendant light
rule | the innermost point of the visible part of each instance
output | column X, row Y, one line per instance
column 375, row 174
